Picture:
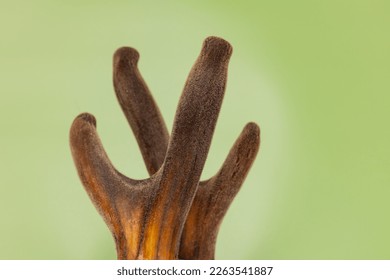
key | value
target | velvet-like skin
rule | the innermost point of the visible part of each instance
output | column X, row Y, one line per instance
column 170, row 215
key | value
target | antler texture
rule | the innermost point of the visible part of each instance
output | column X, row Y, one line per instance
column 170, row 215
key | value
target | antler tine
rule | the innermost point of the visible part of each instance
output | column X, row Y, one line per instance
column 198, row 110
column 193, row 128
column 140, row 109
column 101, row 180
column 215, row 195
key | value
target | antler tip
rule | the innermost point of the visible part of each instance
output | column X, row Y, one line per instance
column 126, row 56
column 217, row 46
column 251, row 133
column 253, row 128
column 85, row 117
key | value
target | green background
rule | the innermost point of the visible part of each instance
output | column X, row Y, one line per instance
column 313, row 74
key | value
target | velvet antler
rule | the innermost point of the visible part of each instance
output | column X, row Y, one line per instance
column 166, row 216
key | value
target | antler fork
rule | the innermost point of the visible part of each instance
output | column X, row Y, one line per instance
column 169, row 215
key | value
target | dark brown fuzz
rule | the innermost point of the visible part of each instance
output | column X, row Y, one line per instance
column 169, row 215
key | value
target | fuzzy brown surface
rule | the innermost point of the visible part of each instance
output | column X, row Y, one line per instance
column 169, row 215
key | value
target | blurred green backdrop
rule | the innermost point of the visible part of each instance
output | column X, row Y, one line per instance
column 313, row 74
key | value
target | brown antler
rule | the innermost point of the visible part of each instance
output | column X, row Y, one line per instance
column 147, row 217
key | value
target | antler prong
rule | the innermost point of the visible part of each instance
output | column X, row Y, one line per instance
column 140, row 109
